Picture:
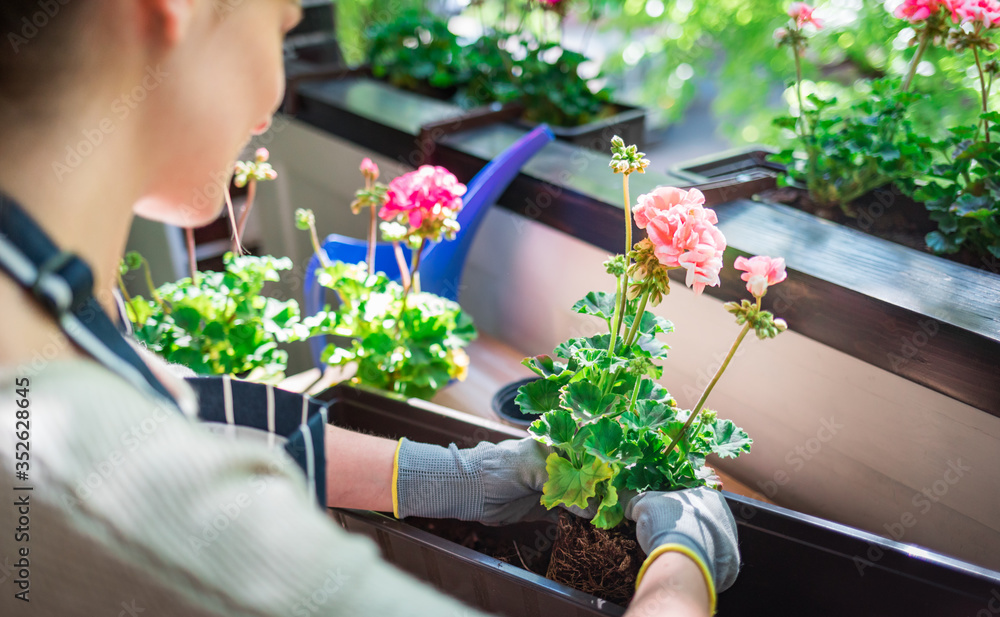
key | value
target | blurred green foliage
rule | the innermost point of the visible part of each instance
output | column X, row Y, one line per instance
column 676, row 44
column 516, row 60
column 733, row 39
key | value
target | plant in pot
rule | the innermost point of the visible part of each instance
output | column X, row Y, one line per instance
column 220, row 323
column 522, row 69
column 842, row 154
column 416, row 51
column 402, row 340
column 613, row 429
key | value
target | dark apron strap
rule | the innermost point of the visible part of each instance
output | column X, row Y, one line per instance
column 63, row 285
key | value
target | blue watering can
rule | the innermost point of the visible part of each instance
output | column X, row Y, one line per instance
column 442, row 263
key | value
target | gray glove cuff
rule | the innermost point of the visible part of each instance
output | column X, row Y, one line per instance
column 492, row 483
column 437, row 482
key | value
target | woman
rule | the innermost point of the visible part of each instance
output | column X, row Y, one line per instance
column 115, row 107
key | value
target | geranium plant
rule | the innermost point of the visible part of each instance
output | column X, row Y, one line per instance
column 962, row 191
column 402, row 340
column 221, row 323
column 218, row 323
column 840, row 154
column 612, row 426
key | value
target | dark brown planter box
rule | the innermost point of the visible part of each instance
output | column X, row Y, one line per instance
column 793, row 564
column 628, row 122
column 915, row 291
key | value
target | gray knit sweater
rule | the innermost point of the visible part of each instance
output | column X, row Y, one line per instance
column 134, row 509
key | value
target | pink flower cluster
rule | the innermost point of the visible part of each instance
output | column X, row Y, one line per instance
column 760, row 272
column 917, row 10
column 683, row 233
column 986, row 12
column 430, row 193
column 802, row 13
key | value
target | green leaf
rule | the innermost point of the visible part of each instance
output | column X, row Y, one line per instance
column 730, row 440
column 939, row 243
column 539, row 396
column 602, row 439
column 572, row 346
column 555, row 428
column 544, row 365
column 650, row 414
column 652, row 391
column 647, row 473
column 650, row 324
column 650, row 347
column 609, row 512
column 571, row 484
column 187, row 318
column 587, row 402
column 597, row 303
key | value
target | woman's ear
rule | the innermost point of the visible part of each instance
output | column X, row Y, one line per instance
column 170, row 20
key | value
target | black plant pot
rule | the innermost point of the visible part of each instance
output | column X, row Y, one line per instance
column 793, row 564
column 505, row 407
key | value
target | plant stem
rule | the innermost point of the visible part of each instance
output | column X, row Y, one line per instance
column 244, row 216
column 372, row 227
column 192, row 262
column 152, row 287
column 635, row 394
column 985, row 93
column 628, row 222
column 921, row 48
column 406, row 288
column 633, row 332
column 711, row 385
column 404, row 271
column 320, row 253
column 121, row 288
column 619, row 300
column 804, row 126
column 415, row 269
column 237, row 249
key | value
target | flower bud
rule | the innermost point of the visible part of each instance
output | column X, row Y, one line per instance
column 369, row 170
column 304, row 218
column 262, row 155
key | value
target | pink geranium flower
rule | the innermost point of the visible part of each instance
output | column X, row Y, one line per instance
column 986, row 12
column 430, row 193
column 917, row 10
column 683, row 233
column 760, row 272
column 802, row 13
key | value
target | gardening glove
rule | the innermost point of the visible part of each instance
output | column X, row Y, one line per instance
column 696, row 522
column 495, row 484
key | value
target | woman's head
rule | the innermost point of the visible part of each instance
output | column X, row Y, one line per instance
column 171, row 88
